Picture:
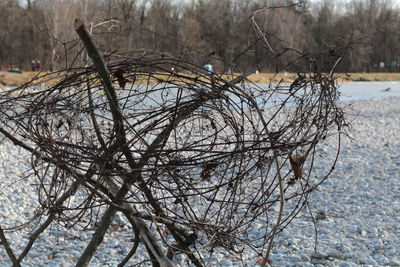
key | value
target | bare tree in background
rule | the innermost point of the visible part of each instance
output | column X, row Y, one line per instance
column 41, row 30
column 192, row 160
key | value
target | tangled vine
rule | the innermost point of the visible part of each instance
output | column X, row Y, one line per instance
column 193, row 160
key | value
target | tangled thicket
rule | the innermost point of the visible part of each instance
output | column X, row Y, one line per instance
column 193, row 160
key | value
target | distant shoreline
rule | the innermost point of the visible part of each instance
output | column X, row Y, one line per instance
column 341, row 77
column 17, row 79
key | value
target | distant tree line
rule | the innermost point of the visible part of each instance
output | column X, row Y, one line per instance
column 204, row 31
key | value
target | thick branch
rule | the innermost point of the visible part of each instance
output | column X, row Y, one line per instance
column 118, row 119
column 8, row 249
column 101, row 68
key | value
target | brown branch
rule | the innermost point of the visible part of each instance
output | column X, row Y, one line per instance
column 121, row 136
column 154, row 155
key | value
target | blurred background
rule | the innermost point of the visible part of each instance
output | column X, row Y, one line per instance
column 39, row 34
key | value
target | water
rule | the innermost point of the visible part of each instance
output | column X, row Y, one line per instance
column 352, row 91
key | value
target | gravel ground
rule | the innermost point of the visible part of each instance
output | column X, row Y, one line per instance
column 357, row 209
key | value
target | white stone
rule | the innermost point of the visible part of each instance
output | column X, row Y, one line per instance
column 394, row 263
column 225, row 263
column 318, row 255
column 293, row 259
column 331, row 252
column 345, row 264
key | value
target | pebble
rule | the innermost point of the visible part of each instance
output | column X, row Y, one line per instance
column 366, row 260
column 377, row 244
column 294, row 258
column 211, row 260
column 225, row 263
column 304, row 257
column 361, row 227
column 319, row 255
column 394, row 263
column 331, row 252
column 112, row 244
column 345, row 264
column 353, row 229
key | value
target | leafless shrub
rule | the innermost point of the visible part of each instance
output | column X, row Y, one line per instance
column 193, row 160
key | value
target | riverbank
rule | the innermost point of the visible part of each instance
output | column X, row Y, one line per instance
column 17, row 79
column 342, row 77
column 355, row 210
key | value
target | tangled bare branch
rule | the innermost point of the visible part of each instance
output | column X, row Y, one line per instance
column 193, row 160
